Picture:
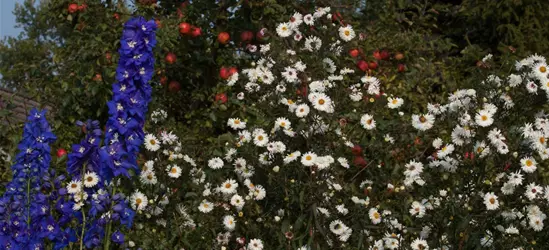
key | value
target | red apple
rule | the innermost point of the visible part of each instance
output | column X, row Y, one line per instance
column 196, row 32
column 184, row 28
column 61, row 152
column 97, row 77
column 221, row 97
column 232, row 71
column 377, row 55
column 73, row 8
column 353, row 52
column 224, row 73
column 223, row 37
column 357, row 150
column 336, row 16
column 362, row 65
column 116, row 16
column 359, row 161
column 171, row 58
column 246, row 36
column 174, row 86
column 401, row 67
column 163, row 80
column 372, row 65
column 82, row 7
column 385, row 55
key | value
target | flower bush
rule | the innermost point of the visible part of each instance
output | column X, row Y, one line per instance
column 317, row 156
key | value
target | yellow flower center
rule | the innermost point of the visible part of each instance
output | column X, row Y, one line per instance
column 138, row 201
column 484, row 118
column 395, row 101
column 529, row 163
column 260, row 138
column 282, row 124
column 422, row 119
column 376, row 215
column 206, row 205
column 173, row 170
column 369, row 121
column 347, row 33
column 228, row 185
column 89, row 179
column 321, row 101
column 308, row 157
column 542, row 69
column 74, row 185
column 236, row 121
column 152, row 141
column 492, row 200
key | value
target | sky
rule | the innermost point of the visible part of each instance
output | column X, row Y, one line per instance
column 7, row 19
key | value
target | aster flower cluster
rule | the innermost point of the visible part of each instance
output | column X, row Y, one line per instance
column 132, row 93
column 321, row 157
column 26, row 219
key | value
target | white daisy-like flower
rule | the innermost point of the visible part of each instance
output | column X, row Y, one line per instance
column 413, row 168
column 255, row 244
column 533, row 191
column 151, row 143
column 491, row 201
column 91, row 179
column 445, row 151
column 291, row 157
column 74, row 187
column 296, row 20
column 148, row 178
column 528, row 164
column 237, row 201
column 423, row 122
column 236, row 123
column 321, row 102
column 394, row 102
column 532, row 87
column 313, row 43
column 215, row 163
column 308, row 159
column 148, row 166
column 228, row 187
column 284, row 30
column 347, row 33
column 367, row 121
column 536, row 223
column 259, row 193
column 290, row 75
column 374, row 215
column 174, row 171
column 302, row 110
column 309, row 19
column 417, row 209
column 329, row 65
column 260, row 138
column 138, row 201
column 229, row 222
column 283, row 123
column 437, row 143
column 205, row 206
column 484, row 118
column 337, row 227
column 419, row 244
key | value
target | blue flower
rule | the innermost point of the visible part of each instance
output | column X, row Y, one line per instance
column 118, row 237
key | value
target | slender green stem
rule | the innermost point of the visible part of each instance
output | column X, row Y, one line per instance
column 109, row 226
column 83, row 229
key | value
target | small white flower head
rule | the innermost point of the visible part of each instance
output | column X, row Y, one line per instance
column 302, row 110
column 255, row 244
column 347, row 33
column 491, row 201
column 138, row 200
column 419, row 244
column 91, row 179
column 151, row 143
column 148, row 178
column 215, row 163
column 528, row 164
column 174, row 171
column 205, row 206
column 308, row 159
column 228, row 187
column 229, row 222
column 237, row 201
column 284, row 30
column 394, row 102
column 484, row 118
column 423, row 122
column 374, row 215
column 74, row 187
column 367, row 121
column 236, row 123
